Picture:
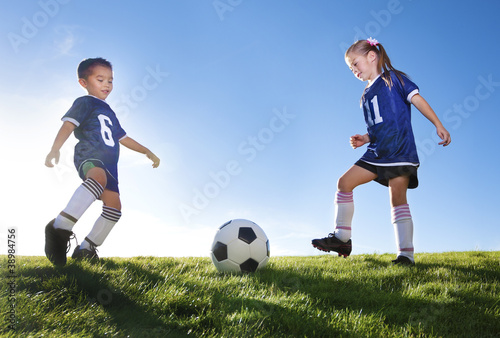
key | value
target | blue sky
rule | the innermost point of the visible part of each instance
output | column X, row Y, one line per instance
column 250, row 106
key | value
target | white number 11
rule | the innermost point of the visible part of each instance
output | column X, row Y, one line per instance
column 376, row 112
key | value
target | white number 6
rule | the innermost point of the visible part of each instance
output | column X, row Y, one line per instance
column 106, row 133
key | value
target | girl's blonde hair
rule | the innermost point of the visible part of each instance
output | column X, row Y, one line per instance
column 363, row 47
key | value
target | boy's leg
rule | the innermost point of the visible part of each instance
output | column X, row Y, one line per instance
column 339, row 240
column 401, row 219
column 59, row 231
column 102, row 227
column 84, row 196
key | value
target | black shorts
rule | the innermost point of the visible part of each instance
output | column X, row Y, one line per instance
column 385, row 173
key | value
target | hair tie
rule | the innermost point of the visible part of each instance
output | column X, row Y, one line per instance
column 372, row 41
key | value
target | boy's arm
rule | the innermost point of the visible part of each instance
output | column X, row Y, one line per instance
column 426, row 110
column 63, row 134
column 136, row 146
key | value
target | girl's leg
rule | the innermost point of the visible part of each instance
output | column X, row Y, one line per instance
column 354, row 177
column 401, row 216
column 339, row 240
column 344, row 203
column 398, row 187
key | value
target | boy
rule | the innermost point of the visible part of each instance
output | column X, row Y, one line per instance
column 96, row 157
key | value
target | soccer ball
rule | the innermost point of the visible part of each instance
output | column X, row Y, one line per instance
column 240, row 245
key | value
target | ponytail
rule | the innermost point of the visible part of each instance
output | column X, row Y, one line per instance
column 384, row 63
column 363, row 47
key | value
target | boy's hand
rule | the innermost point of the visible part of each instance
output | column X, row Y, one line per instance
column 53, row 155
column 359, row 140
column 154, row 158
column 444, row 135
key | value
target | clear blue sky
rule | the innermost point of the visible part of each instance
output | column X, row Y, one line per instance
column 250, row 106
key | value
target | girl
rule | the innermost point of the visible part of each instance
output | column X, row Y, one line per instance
column 391, row 157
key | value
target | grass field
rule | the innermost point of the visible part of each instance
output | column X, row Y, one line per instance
column 454, row 294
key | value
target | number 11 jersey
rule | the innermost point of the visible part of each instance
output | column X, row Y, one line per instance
column 388, row 119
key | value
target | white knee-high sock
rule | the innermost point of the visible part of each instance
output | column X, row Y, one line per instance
column 102, row 227
column 403, row 230
column 344, row 211
column 82, row 198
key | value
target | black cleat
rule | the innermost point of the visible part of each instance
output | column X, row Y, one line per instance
column 56, row 244
column 332, row 243
column 80, row 253
column 402, row 260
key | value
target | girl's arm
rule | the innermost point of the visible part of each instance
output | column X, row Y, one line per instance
column 63, row 134
column 136, row 146
column 359, row 140
column 426, row 110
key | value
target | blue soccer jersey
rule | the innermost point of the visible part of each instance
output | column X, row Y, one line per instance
column 99, row 133
column 388, row 119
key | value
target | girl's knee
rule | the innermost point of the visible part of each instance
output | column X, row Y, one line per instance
column 344, row 184
column 341, row 184
column 398, row 188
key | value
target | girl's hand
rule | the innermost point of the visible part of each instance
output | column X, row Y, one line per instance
column 359, row 140
column 444, row 135
column 154, row 158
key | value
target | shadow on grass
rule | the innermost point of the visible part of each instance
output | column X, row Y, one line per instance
column 87, row 287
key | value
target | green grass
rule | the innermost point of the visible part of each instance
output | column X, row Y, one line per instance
column 454, row 294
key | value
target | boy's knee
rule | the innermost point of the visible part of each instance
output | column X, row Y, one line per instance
column 99, row 175
column 111, row 199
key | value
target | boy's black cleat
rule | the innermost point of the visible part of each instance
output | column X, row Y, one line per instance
column 90, row 254
column 332, row 243
column 56, row 243
column 402, row 260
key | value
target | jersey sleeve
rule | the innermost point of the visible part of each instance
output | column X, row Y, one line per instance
column 406, row 90
column 120, row 133
column 78, row 111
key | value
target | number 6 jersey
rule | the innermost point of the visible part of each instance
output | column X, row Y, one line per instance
column 98, row 132
column 388, row 119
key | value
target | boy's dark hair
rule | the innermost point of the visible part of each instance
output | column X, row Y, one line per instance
column 85, row 67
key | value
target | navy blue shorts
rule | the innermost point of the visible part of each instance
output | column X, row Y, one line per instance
column 112, row 180
column 385, row 173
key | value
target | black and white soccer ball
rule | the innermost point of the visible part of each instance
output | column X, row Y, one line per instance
column 240, row 245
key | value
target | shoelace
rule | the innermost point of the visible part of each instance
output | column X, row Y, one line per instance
column 68, row 245
column 94, row 248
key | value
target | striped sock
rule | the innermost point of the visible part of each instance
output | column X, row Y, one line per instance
column 344, row 210
column 83, row 197
column 102, row 227
column 403, row 230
